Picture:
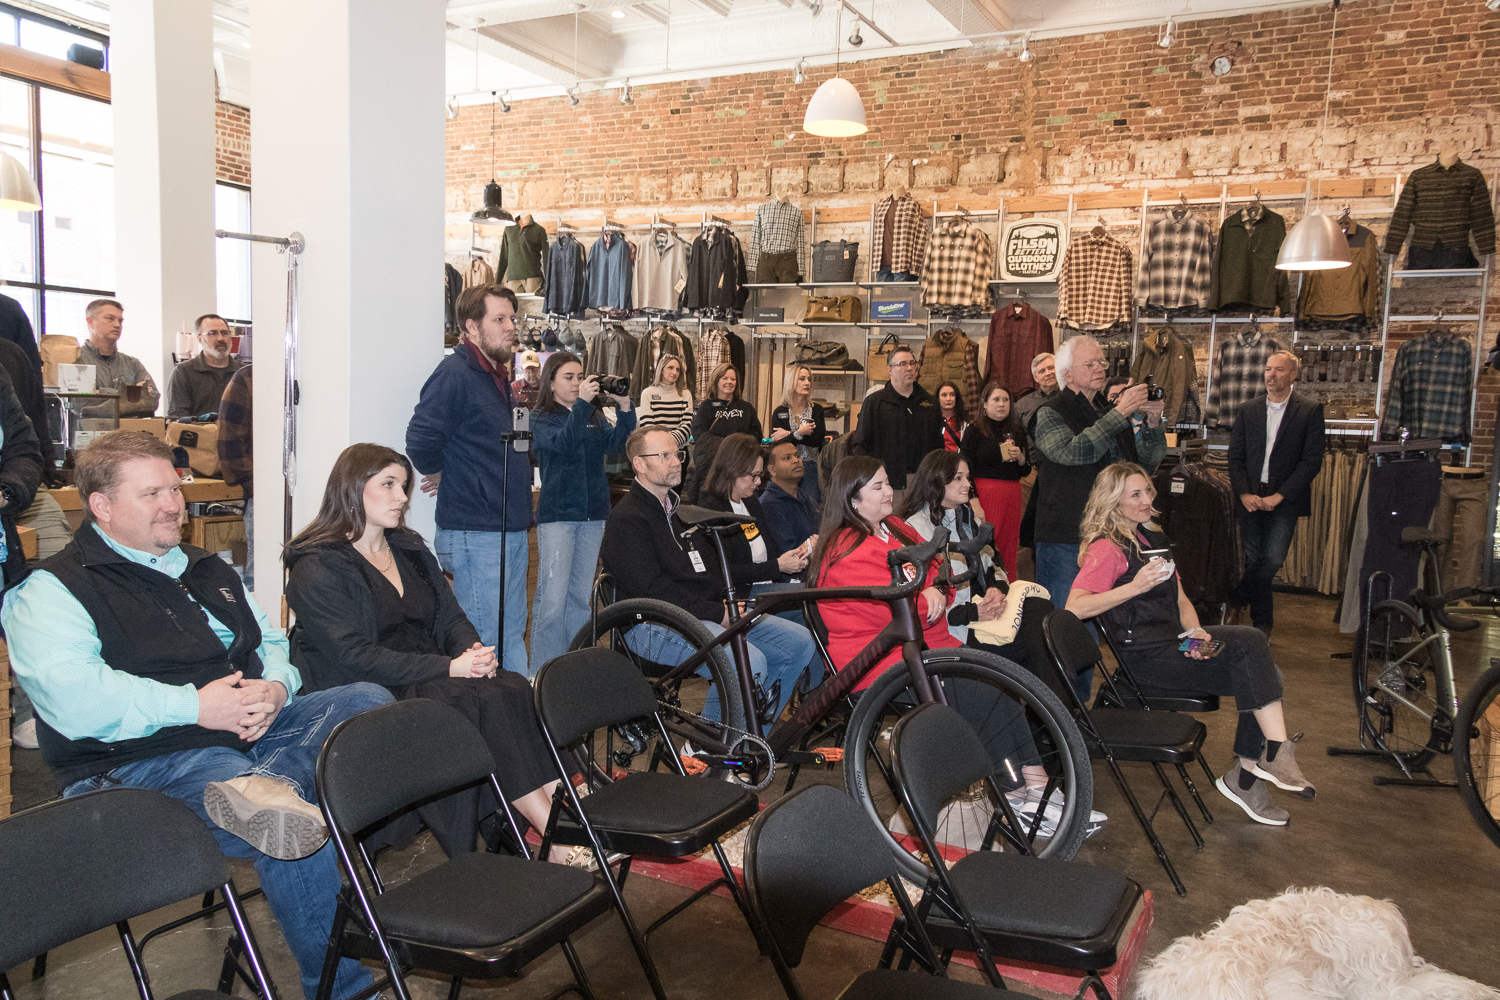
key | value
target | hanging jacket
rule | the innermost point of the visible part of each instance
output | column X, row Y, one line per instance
column 950, row 356
column 453, row 283
column 662, row 340
column 478, row 273
column 908, row 250
column 1018, row 333
column 1168, row 359
column 1441, row 204
column 713, row 351
column 660, row 271
column 1344, row 293
column 717, row 273
column 1245, row 271
column 566, row 280
column 1241, row 374
column 610, row 270
column 614, row 353
column 1177, row 267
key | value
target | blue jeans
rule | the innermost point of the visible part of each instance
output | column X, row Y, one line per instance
column 302, row 893
column 1265, row 537
column 779, row 652
column 883, row 274
column 1056, row 569
column 473, row 557
column 567, row 554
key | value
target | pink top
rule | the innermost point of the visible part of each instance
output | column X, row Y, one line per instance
column 1102, row 565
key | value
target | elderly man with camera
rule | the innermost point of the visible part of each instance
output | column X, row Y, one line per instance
column 1078, row 434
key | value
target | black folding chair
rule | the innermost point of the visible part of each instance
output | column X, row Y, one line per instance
column 475, row 916
column 1122, row 690
column 1060, row 913
column 71, row 867
column 656, row 813
column 1130, row 734
column 813, row 849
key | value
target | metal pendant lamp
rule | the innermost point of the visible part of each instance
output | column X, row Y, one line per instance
column 1317, row 243
column 492, row 216
column 17, row 190
column 836, row 109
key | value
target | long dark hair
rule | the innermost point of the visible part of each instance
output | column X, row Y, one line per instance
column 842, row 529
column 341, row 516
column 927, row 487
column 545, row 402
column 1011, row 425
column 736, row 457
column 958, row 398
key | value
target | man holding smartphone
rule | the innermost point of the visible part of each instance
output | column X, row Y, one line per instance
column 1275, row 452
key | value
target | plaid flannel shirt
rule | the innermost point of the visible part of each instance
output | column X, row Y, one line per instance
column 908, row 234
column 1094, row 287
column 1442, row 205
column 1241, row 375
column 1056, row 440
column 960, row 261
column 1177, row 270
column 1430, row 388
column 777, row 228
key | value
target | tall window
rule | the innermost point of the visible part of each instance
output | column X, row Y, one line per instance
column 55, row 261
column 232, row 212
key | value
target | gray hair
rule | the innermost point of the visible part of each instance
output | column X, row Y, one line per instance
column 1037, row 361
column 1064, row 359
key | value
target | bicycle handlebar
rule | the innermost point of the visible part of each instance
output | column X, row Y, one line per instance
column 1438, row 605
column 918, row 554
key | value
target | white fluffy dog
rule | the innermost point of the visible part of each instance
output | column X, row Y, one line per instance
column 1307, row 944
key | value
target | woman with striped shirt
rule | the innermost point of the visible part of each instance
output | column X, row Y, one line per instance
column 667, row 403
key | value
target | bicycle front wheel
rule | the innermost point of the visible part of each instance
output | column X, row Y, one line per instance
column 1476, row 752
column 1396, row 687
column 1019, row 721
column 700, row 710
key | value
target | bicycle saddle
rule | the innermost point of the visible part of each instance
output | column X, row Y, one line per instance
column 702, row 517
column 1420, row 536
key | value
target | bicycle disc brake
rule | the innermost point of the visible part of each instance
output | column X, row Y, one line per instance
column 757, row 754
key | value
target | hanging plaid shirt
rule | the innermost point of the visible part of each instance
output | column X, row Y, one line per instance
column 777, row 229
column 1177, row 270
column 1242, row 374
column 960, row 261
column 1430, row 389
column 908, row 234
column 1093, row 289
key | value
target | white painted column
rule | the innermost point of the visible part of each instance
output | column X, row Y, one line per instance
column 347, row 148
column 162, row 90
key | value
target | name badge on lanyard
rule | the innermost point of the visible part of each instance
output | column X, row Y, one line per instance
column 697, row 560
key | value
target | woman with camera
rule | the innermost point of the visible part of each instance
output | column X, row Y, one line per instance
column 571, row 436
column 801, row 419
column 1128, row 581
column 667, row 402
column 994, row 447
column 722, row 414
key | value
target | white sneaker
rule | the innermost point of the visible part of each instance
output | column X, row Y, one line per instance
column 1026, row 805
column 24, row 735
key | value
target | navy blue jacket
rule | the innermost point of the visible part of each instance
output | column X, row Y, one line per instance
column 789, row 519
column 570, row 448
column 455, row 430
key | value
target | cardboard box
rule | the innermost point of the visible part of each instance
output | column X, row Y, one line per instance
column 155, row 426
column 75, row 378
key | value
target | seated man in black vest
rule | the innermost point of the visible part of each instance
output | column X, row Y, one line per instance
column 1077, row 435
column 150, row 667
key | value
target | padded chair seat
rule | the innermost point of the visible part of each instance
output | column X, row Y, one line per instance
column 1126, row 730
column 655, row 802
column 1038, row 895
column 478, row 900
column 890, row 984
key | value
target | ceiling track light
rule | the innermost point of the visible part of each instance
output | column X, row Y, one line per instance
column 1167, row 36
column 626, row 97
column 856, row 39
column 573, row 96
column 451, row 107
column 1492, row 4
column 504, row 104
column 1025, row 55
column 798, row 75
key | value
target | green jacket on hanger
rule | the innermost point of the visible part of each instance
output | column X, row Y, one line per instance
column 1245, row 269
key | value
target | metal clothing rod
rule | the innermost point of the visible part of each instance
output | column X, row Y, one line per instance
column 295, row 243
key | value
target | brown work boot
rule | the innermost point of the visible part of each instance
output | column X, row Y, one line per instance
column 1283, row 772
column 268, row 814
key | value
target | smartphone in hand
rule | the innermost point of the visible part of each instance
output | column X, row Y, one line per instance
column 1208, row 647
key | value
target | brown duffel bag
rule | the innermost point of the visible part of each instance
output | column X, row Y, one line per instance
column 835, row 309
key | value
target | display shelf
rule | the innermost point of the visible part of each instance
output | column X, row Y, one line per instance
column 888, row 284
column 878, row 326
column 785, row 322
column 1458, row 272
column 772, row 284
column 829, row 284
column 814, row 324
column 1445, row 318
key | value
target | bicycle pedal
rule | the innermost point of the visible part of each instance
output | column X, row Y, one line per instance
column 693, row 765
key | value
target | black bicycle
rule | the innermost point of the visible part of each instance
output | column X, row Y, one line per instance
column 705, row 685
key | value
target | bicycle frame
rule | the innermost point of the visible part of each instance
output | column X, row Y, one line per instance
column 1447, row 698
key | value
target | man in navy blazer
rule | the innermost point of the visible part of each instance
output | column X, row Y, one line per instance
column 1274, row 489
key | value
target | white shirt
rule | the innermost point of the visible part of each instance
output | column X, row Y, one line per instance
column 1274, row 413
column 757, row 541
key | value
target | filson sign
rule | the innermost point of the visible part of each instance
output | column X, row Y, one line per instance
column 1031, row 250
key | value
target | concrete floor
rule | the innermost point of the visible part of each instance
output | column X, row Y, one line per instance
column 1416, row 847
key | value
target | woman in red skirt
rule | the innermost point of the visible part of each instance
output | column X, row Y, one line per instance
column 994, row 447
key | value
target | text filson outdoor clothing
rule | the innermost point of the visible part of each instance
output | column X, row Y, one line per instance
column 196, row 386
column 1177, row 269
column 1443, row 205
column 523, row 253
column 899, row 430
column 715, row 421
column 906, row 250
column 1245, row 272
column 777, row 228
column 1075, row 440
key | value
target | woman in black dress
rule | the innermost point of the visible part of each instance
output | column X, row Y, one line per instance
column 373, row 605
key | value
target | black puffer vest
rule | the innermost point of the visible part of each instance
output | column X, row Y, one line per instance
column 1151, row 618
column 149, row 625
column 1064, row 489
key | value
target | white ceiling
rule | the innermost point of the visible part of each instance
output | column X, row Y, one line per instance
column 529, row 47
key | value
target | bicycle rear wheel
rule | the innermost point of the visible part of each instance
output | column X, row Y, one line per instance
column 1396, row 687
column 1476, row 752
column 657, row 636
column 1018, row 720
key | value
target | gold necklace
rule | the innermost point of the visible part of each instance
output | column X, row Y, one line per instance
column 370, row 558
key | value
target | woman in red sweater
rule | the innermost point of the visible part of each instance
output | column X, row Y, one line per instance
column 857, row 531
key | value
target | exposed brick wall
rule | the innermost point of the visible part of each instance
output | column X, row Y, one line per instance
column 232, row 143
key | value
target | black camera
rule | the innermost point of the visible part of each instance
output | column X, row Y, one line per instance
column 614, row 385
column 1154, row 392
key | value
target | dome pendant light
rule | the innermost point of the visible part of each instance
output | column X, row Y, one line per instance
column 1317, row 243
column 492, row 216
column 18, row 192
column 836, row 110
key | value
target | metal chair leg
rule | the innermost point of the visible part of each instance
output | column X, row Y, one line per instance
column 1150, row 831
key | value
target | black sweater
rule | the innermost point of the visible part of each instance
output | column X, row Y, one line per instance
column 982, row 452
column 647, row 554
column 899, row 430
column 715, row 421
column 333, row 641
column 743, row 569
column 782, row 417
